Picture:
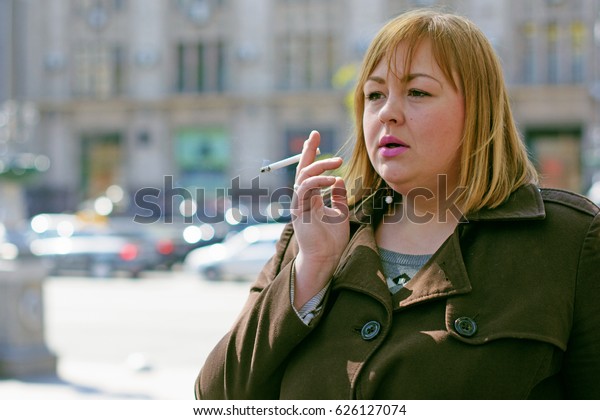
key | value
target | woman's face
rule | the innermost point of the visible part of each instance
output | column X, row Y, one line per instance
column 413, row 124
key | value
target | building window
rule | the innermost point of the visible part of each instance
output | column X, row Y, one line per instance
column 202, row 158
column 82, row 6
column 99, row 70
column 553, row 53
column 307, row 61
column 304, row 42
column 529, row 58
column 101, row 162
column 578, row 33
column 199, row 12
column 200, row 67
column 97, row 13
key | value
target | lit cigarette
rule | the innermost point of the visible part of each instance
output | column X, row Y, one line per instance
column 284, row 162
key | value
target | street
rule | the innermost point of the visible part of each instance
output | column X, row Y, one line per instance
column 123, row 338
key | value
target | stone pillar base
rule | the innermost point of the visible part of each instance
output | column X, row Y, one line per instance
column 23, row 350
column 33, row 361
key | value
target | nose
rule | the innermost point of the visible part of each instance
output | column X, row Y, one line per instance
column 392, row 111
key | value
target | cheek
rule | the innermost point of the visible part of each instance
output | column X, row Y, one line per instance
column 371, row 126
column 450, row 142
column 444, row 130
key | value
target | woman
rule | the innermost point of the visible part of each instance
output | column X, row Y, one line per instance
column 438, row 269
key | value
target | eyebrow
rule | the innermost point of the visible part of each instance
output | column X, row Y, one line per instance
column 376, row 79
column 406, row 78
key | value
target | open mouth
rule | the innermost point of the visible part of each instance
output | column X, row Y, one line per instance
column 390, row 146
column 391, row 142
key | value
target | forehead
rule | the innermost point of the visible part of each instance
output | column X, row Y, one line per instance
column 406, row 58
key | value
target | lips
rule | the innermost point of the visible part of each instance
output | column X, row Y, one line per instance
column 390, row 146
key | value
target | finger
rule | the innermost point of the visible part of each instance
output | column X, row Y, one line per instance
column 313, row 184
column 314, row 170
column 339, row 195
column 309, row 150
column 303, row 193
column 338, row 213
column 317, row 168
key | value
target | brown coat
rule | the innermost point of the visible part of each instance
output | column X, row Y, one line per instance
column 507, row 308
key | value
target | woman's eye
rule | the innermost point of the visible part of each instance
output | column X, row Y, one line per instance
column 373, row 96
column 416, row 93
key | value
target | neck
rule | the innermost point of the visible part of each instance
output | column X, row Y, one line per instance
column 438, row 199
column 416, row 226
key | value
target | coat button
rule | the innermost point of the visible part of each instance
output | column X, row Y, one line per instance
column 465, row 326
column 370, row 330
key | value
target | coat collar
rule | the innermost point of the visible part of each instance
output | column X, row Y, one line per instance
column 525, row 203
column 445, row 273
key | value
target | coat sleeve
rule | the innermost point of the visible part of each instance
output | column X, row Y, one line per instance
column 582, row 359
column 248, row 363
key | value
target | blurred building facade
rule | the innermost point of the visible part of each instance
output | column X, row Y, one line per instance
column 195, row 94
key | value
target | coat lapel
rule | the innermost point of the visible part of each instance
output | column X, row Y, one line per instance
column 361, row 268
column 444, row 275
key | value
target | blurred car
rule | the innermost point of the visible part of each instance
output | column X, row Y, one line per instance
column 171, row 240
column 14, row 243
column 240, row 256
column 97, row 253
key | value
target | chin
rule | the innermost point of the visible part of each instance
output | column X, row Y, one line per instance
column 391, row 174
column 398, row 185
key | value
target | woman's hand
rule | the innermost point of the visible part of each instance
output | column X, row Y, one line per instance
column 322, row 231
